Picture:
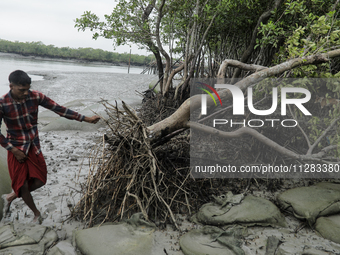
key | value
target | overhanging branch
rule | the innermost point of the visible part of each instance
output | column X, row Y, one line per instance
column 179, row 118
column 263, row 139
column 235, row 63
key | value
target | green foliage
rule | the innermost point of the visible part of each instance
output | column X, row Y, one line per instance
column 127, row 23
column 87, row 54
column 124, row 25
column 302, row 28
column 271, row 34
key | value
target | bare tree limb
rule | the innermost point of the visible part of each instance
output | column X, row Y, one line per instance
column 186, row 82
column 160, row 46
column 263, row 139
column 302, row 131
column 325, row 150
column 235, row 63
column 149, row 42
column 310, row 150
column 173, row 73
column 263, row 18
column 179, row 118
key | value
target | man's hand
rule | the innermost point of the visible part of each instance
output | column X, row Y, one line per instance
column 19, row 155
column 94, row 119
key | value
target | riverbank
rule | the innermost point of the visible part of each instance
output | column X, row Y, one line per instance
column 67, row 60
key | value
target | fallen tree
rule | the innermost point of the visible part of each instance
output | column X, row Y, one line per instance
column 181, row 118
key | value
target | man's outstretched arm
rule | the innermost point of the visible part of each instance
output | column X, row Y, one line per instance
column 63, row 111
column 94, row 119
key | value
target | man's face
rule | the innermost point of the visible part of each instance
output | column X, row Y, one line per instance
column 18, row 91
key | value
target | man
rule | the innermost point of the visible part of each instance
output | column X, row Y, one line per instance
column 26, row 164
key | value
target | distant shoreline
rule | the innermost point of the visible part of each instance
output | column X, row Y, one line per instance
column 67, row 60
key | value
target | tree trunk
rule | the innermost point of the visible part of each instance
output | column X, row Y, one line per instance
column 263, row 18
column 198, row 51
column 152, row 47
column 160, row 47
column 159, row 62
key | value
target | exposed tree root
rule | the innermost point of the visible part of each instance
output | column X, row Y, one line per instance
column 127, row 175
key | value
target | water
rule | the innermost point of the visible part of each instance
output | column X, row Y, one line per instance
column 11, row 62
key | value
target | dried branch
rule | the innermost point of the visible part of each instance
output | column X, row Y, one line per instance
column 312, row 147
column 125, row 176
column 235, row 63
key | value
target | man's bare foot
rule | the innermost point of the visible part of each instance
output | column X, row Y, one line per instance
column 5, row 209
column 10, row 197
column 37, row 219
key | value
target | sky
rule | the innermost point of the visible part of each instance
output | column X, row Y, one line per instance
column 52, row 22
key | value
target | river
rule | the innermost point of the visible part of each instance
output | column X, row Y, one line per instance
column 10, row 62
column 79, row 86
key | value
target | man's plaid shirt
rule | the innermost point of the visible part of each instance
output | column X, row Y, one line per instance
column 21, row 119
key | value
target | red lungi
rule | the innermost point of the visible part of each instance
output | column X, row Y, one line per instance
column 34, row 167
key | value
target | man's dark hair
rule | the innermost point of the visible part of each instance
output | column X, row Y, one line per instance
column 19, row 77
